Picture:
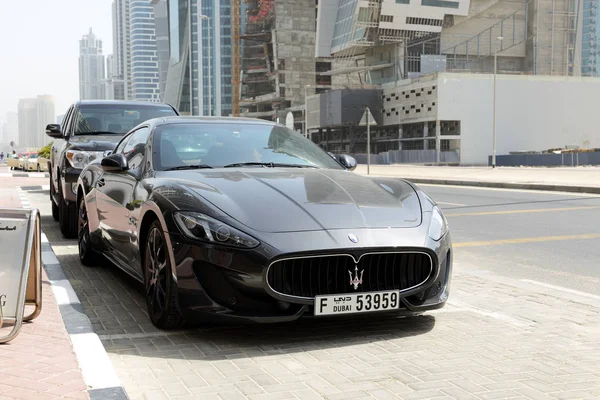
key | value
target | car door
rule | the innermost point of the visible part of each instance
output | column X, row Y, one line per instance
column 117, row 190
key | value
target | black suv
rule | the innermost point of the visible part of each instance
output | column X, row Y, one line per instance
column 90, row 130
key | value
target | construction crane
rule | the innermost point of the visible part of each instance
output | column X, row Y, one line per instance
column 236, row 70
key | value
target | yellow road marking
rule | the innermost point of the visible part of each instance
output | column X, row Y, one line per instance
column 527, row 240
column 537, row 210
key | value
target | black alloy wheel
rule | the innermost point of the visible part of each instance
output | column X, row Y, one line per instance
column 87, row 255
column 161, row 290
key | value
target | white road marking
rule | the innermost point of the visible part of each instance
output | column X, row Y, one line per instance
column 96, row 367
column 451, row 204
column 562, row 289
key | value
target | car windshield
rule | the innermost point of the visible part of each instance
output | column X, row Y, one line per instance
column 116, row 118
column 229, row 144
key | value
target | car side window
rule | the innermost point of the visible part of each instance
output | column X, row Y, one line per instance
column 135, row 148
column 66, row 121
column 122, row 143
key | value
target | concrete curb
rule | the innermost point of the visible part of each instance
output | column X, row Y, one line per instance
column 504, row 185
column 97, row 370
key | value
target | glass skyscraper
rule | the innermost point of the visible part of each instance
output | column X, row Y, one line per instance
column 590, row 54
column 144, row 58
column 208, row 23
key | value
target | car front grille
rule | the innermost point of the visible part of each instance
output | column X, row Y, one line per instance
column 312, row 276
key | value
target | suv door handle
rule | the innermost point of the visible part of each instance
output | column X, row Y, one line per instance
column 100, row 182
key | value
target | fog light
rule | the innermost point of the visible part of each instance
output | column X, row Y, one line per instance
column 74, row 188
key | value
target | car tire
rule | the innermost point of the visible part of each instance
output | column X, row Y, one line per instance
column 55, row 211
column 160, row 288
column 87, row 255
column 67, row 217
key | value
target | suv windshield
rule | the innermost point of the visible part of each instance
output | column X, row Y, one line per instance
column 116, row 118
column 224, row 144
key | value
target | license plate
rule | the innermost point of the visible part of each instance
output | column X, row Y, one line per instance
column 351, row 303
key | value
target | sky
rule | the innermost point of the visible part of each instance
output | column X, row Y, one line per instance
column 39, row 48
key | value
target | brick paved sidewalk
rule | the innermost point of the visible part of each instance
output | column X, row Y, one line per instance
column 40, row 363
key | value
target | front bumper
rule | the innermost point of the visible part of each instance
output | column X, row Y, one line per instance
column 217, row 284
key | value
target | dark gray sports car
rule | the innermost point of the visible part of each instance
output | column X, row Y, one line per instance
column 245, row 219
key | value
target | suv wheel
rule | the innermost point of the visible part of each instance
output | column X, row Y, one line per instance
column 67, row 217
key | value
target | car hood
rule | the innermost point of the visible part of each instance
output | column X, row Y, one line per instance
column 95, row 142
column 298, row 199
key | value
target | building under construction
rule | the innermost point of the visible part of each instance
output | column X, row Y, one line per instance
column 278, row 59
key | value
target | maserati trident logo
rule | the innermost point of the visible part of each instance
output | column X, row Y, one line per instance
column 353, row 238
column 355, row 280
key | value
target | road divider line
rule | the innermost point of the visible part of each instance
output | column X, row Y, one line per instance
column 538, row 210
column 527, row 240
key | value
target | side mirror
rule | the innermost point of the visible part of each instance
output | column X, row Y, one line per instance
column 53, row 130
column 114, row 163
column 347, row 161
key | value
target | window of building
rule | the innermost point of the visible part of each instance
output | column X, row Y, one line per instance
column 439, row 3
column 387, row 18
column 402, row 1
column 424, row 21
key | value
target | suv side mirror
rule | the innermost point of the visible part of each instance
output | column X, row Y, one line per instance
column 114, row 163
column 347, row 161
column 53, row 130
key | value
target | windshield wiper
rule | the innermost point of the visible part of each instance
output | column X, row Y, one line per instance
column 268, row 164
column 198, row 166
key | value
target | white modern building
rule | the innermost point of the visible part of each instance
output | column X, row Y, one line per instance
column 454, row 112
column 91, row 67
column 351, row 26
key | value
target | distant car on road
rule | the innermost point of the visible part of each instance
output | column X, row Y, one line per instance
column 12, row 161
column 32, row 163
column 90, row 130
column 248, row 220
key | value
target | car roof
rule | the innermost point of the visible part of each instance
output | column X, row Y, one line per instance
column 120, row 102
column 212, row 120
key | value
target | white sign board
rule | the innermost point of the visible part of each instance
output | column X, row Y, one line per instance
column 13, row 235
column 20, row 269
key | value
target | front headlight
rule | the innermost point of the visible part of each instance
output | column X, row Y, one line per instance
column 438, row 225
column 202, row 227
column 79, row 159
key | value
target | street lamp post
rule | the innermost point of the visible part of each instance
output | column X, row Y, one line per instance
column 201, row 16
column 494, row 106
column 306, row 111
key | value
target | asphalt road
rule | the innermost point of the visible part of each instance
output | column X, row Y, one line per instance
column 544, row 236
